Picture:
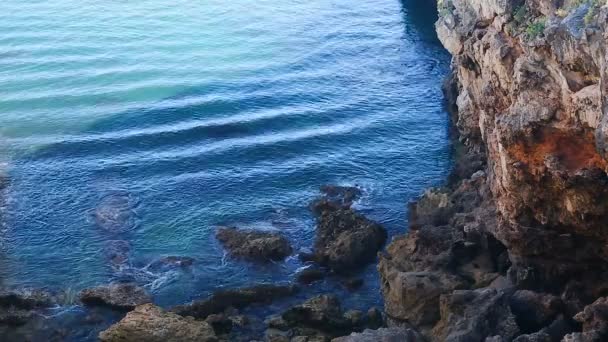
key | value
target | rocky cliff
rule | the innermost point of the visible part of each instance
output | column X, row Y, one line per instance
column 516, row 247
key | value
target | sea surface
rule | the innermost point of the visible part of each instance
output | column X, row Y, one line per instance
column 188, row 114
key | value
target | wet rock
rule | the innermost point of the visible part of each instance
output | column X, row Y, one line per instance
column 254, row 245
column 473, row 315
column 116, row 213
column 236, row 298
column 310, row 275
column 341, row 196
column 352, row 284
column 170, row 263
column 383, row 335
column 221, row 323
column 119, row 296
column 17, row 307
column 347, row 240
column 149, row 323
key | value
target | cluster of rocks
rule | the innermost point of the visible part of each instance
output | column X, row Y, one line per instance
column 345, row 240
column 320, row 318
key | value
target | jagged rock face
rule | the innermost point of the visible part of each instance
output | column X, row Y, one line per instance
column 523, row 222
column 533, row 94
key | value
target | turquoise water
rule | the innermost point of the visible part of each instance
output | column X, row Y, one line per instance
column 204, row 113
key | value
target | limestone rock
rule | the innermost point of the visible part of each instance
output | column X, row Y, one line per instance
column 149, row 323
column 118, row 296
column 254, row 245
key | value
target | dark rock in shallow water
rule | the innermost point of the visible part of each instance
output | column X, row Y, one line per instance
column 170, row 263
column 151, row 324
column 310, row 275
column 19, row 306
column 117, row 253
column 236, row 298
column 254, row 245
column 347, row 240
column 116, row 213
column 117, row 296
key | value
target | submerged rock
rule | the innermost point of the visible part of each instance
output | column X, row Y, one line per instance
column 117, row 253
column 170, row 263
column 118, row 296
column 116, row 213
column 151, row 324
column 235, row 298
column 335, row 197
column 254, row 245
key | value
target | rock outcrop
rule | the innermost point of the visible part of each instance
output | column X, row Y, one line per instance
column 221, row 300
column 120, row 296
column 522, row 222
column 150, row 323
column 254, row 245
column 345, row 239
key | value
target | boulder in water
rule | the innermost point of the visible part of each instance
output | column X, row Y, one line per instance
column 151, row 324
column 347, row 240
column 122, row 296
column 254, row 245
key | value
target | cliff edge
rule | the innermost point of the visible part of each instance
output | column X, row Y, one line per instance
column 516, row 246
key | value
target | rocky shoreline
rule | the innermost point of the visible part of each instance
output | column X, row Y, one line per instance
column 345, row 242
column 514, row 248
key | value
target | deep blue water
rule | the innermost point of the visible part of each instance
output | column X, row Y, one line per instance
column 205, row 113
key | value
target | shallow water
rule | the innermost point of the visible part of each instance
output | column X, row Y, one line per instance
column 191, row 114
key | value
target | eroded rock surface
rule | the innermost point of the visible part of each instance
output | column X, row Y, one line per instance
column 319, row 319
column 525, row 213
column 118, row 296
column 254, row 245
column 150, row 323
